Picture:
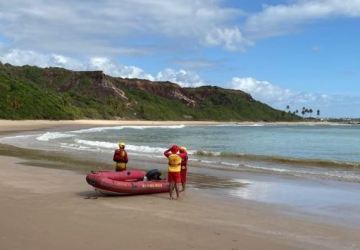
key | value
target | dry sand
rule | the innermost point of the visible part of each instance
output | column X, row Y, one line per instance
column 54, row 209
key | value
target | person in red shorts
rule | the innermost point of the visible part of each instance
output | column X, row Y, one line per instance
column 183, row 171
column 174, row 169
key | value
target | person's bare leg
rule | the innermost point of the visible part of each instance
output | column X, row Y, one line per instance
column 171, row 190
column 177, row 190
column 183, row 186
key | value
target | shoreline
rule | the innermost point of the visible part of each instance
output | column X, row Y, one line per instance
column 25, row 125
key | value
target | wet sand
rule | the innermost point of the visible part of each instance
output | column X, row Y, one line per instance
column 43, row 208
column 55, row 209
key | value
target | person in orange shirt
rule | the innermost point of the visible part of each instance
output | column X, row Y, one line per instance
column 174, row 169
column 183, row 171
column 121, row 158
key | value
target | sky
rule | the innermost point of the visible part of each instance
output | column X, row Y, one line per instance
column 301, row 53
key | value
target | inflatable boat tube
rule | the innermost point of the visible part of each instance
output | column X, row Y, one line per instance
column 125, row 182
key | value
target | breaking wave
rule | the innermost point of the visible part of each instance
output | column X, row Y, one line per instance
column 53, row 135
column 110, row 145
column 279, row 159
column 242, row 125
column 100, row 129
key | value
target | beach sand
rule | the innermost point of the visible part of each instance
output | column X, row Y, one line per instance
column 43, row 208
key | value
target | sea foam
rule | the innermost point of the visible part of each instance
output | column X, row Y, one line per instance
column 100, row 129
column 53, row 135
column 111, row 145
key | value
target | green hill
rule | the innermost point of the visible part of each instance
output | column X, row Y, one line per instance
column 29, row 92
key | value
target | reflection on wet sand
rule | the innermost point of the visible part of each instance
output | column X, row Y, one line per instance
column 207, row 181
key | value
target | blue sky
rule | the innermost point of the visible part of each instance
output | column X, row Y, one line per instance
column 294, row 52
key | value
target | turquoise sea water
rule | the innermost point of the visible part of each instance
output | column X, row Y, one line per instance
column 333, row 143
column 331, row 151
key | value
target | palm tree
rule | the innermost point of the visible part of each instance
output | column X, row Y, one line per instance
column 318, row 112
column 306, row 110
column 310, row 111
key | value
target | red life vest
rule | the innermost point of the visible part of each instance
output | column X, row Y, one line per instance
column 120, row 155
column 184, row 162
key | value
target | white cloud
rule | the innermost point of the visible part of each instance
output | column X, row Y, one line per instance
column 105, row 26
column 29, row 57
column 20, row 57
column 23, row 57
column 230, row 38
column 274, row 94
column 182, row 77
column 330, row 105
column 115, row 69
column 280, row 19
column 262, row 90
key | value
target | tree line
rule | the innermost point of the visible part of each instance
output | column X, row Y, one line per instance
column 303, row 111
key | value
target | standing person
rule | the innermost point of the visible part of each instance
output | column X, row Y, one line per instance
column 184, row 161
column 174, row 168
column 120, row 157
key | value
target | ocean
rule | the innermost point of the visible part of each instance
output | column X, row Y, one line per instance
column 320, row 151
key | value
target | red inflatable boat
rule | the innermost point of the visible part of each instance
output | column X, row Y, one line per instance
column 126, row 182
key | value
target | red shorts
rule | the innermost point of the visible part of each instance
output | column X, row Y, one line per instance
column 183, row 175
column 174, row 177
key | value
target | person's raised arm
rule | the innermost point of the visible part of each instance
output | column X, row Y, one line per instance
column 116, row 156
column 167, row 152
column 183, row 155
